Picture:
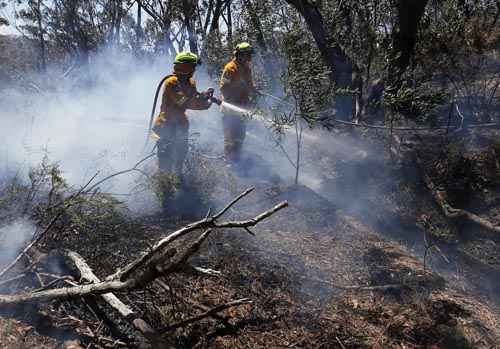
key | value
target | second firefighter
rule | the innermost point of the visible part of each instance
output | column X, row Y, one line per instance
column 237, row 87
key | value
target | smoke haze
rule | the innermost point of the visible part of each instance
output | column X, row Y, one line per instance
column 101, row 126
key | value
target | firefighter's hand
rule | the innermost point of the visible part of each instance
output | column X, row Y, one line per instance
column 208, row 93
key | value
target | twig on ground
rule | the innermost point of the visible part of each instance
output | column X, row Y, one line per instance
column 53, row 282
column 15, row 278
column 340, row 343
column 146, row 268
column 206, row 314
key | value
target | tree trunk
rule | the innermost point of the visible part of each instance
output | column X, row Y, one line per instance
column 188, row 12
column 118, row 22
column 208, row 16
column 138, row 27
column 404, row 38
column 333, row 56
column 214, row 25
column 229, row 25
column 43, row 59
column 167, row 43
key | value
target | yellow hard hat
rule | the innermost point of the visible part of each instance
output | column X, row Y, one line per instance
column 244, row 47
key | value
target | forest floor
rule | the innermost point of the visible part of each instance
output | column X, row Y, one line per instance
column 341, row 267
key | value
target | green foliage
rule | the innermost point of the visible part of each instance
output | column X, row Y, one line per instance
column 360, row 28
column 46, row 193
column 306, row 78
column 89, row 213
column 417, row 103
column 164, row 186
column 456, row 46
column 201, row 176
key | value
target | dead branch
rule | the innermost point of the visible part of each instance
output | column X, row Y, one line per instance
column 233, row 202
column 15, row 278
column 142, row 326
column 53, row 282
column 206, row 314
column 206, row 223
column 359, row 287
column 456, row 213
column 153, row 264
column 203, row 271
column 161, row 260
column 134, row 168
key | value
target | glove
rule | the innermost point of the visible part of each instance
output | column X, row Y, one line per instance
column 210, row 91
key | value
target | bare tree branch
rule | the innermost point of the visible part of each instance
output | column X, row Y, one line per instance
column 146, row 268
column 205, row 223
column 206, row 314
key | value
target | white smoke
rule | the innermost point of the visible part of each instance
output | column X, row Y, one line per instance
column 13, row 237
column 102, row 127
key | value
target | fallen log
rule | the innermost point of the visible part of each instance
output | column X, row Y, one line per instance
column 149, row 266
column 132, row 317
column 451, row 213
column 145, row 269
column 456, row 213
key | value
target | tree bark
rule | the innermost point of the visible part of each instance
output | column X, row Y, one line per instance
column 333, row 56
column 189, row 23
column 404, row 38
column 139, row 324
column 138, row 27
column 43, row 58
column 229, row 24
column 214, row 25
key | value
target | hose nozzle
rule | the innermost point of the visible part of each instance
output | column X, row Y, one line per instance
column 216, row 100
column 209, row 94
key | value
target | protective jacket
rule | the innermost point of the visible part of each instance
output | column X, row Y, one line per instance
column 236, row 83
column 171, row 126
column 177, row 97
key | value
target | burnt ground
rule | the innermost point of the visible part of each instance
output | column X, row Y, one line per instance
column 298, row 271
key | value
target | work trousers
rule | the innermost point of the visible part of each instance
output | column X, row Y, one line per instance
column 173, row 146
column 234, row 135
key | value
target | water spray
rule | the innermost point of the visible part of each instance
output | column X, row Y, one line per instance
column 234, row 108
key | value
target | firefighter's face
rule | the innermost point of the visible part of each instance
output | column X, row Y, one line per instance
column 246, row 58
column 184, row 70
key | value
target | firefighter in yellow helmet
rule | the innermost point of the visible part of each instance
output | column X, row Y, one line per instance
column 171, row 126
column 237, row 87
